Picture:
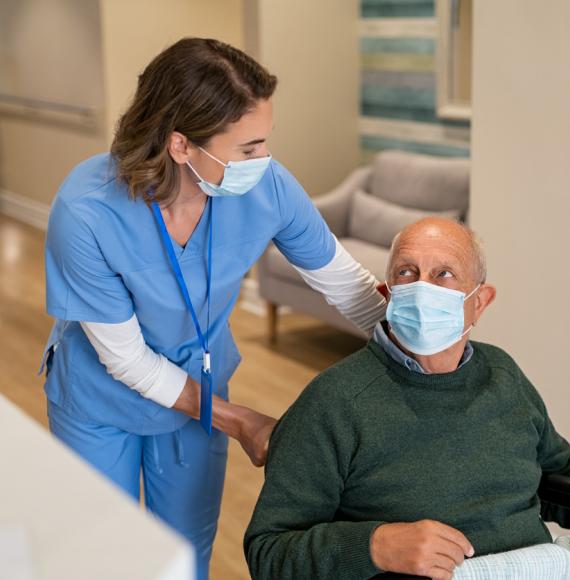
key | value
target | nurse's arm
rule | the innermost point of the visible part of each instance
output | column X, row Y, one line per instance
column 348, row 286
column 121, row 348
column 250, row 428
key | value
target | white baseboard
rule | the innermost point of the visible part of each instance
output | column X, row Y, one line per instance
column 24, row 209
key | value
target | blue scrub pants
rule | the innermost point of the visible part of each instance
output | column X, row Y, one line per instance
column 183, row 472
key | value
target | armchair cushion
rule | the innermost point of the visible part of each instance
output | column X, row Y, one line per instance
column 335, row 205
column 377, row 221
column 421, row 181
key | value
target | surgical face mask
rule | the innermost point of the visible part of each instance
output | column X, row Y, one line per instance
column 425, row 318
column 239, row 176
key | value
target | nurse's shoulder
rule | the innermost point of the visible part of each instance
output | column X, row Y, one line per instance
column 280, row 189
column 278, row 179
column 95, row 174
column 93, row 195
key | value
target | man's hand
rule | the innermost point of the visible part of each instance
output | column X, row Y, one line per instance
column 424, row 548
column 254, row 434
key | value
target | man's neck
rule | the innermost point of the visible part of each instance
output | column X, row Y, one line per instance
column 442, row 362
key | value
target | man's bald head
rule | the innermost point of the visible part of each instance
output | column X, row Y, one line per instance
column 445, row 236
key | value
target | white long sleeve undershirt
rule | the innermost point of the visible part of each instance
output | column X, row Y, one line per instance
column 349, row 287
column 123, row 351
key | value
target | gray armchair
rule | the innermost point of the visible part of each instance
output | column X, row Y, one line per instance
column 365, row 212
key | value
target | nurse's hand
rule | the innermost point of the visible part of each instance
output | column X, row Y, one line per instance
column 256, row 428
column 250, row 428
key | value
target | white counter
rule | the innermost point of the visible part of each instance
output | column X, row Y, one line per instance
column 61, row 520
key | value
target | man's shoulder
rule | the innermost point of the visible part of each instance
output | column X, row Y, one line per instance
column 349, row 377
column 494, row 356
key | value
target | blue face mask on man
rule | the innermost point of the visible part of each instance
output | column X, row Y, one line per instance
column 425, row 318
column 239, row 176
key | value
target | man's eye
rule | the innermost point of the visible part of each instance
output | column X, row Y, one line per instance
column 445, row 274
column 405, row 272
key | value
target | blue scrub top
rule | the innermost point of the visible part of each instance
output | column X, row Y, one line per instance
column 105, row 261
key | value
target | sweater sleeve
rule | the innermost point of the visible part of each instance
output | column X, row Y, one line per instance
column 296, row 532
column 553, row 450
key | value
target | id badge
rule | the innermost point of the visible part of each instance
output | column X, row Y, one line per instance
column 206, row 400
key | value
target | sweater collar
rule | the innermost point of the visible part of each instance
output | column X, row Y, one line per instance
column 396, row 353
column 472, row 372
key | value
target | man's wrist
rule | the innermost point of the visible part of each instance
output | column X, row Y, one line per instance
column 375, row 548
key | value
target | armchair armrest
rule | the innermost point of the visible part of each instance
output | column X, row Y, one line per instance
column 334, row 206
column 554, row 493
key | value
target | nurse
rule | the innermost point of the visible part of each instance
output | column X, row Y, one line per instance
column 146, row 248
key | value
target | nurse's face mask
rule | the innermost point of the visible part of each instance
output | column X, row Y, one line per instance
column 239, row 176
column 425, row 318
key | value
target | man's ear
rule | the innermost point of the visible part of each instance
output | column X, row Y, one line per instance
column 179, row 148
column 484, row 297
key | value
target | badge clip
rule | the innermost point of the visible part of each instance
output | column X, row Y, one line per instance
column 207, row 365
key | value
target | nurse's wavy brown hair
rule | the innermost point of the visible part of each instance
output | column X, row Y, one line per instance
column 197, row 87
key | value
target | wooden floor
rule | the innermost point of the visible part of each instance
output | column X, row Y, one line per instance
column 269, row 379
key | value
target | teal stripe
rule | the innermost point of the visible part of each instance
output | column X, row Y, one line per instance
column 419, row 115
column 395, row 112
column 401, row 79
column 397, row 8
column 375, row 144
column 399, row 45
column 403, row 97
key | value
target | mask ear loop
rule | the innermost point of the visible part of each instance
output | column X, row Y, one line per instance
column 194, row 171
column 472, row 292
column 212, row 157
column 209, row 155
column 467, row 298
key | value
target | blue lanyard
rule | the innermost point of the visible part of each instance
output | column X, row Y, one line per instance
column 180, row 278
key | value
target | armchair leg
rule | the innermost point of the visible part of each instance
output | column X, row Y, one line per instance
column 272, row 321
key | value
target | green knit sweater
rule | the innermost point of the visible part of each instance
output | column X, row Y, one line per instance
column 369, row 441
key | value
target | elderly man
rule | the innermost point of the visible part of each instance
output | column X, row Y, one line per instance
column 418, row 451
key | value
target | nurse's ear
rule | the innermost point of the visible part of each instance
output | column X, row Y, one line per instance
column 180, row 149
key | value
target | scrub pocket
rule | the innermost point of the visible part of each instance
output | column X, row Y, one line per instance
column 52, row 343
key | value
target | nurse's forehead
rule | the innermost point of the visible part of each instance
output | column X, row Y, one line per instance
column 252, row 128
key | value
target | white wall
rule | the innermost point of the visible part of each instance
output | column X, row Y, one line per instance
column 312, row 47
column 49, row 50
column 521, row 185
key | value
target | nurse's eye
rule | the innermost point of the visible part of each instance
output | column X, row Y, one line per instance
column 249, row 153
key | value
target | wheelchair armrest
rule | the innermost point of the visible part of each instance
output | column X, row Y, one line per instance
column 554, row 493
